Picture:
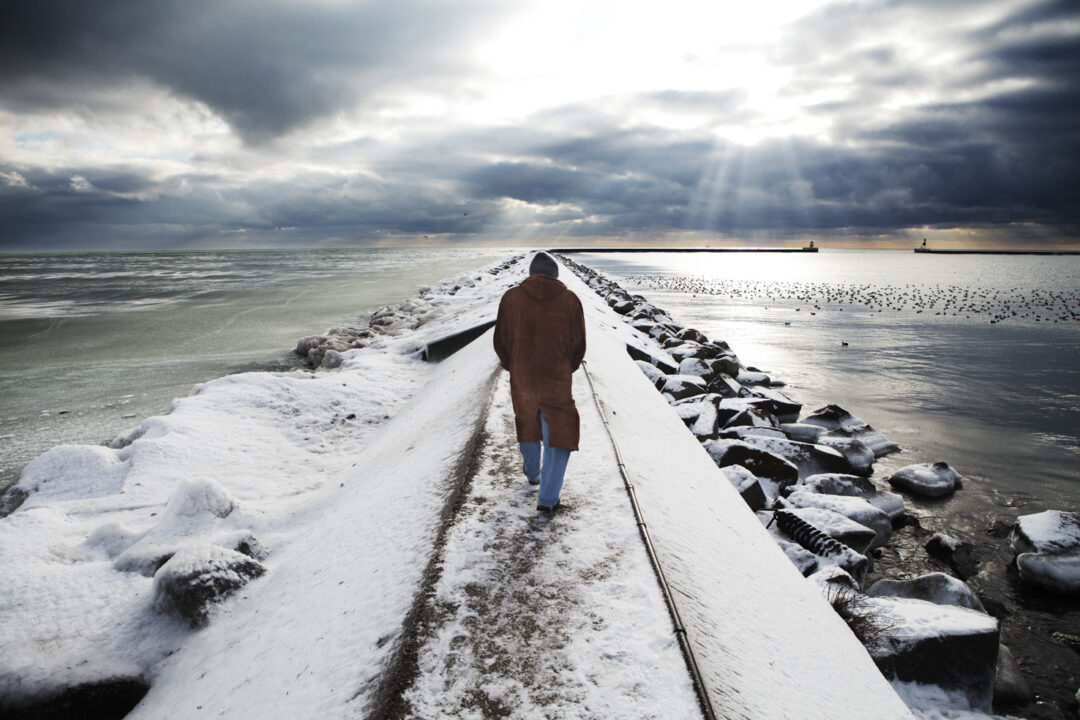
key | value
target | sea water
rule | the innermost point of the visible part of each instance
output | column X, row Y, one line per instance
column 92, row 343
column 969, row 359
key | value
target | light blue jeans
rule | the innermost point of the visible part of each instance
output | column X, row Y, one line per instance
column 551, row 471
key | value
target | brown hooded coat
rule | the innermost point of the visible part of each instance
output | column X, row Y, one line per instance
column 540, row 339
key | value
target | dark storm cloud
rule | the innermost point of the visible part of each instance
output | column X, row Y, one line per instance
column 983, row 153
column 266, row 66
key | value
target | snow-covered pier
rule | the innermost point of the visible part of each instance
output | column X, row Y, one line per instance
column 360, row 542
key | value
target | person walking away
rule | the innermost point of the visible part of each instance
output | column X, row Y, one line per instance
column 540, row 339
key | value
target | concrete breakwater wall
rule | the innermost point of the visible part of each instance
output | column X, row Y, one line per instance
column 808, row 480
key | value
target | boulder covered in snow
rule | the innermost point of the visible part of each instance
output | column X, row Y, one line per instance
column 937, row 588
column 74, row 472
column 1056, row 572
column 855, row 535
column 953, row 647
column 651, row 371
column 853, row 508
column 859, row 457
column 929, row 479
column 809, row 459
column 704, row 415
column 779, row 404
column 832, row 417
column 760, row 462
column 680, row 387
column 195, row 578
column 1048, row 544
column 331, row 360
column 748, row 485
column 802, row 432
column 855, row 486
column 868, row 436
column 1051, row 531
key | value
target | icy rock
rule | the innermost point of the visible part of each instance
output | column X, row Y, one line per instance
column 332, row 359
column 759, row 462
column 747, row 377
column 958, row 555
column 1010, row 686
column 723, row 384
column 651, row 371
column 860, row 457
column 751, row 417
column 747, row 484
column 740, row 432
column 195, row 578
column 809, row 459
column 11, row 500
column 855, row 535
column 855, row 486
column 1057, row 572
column 686, row 350
column 952, row 647
column 876, row 442
column 195, row 497
column 1048, row 544
column 938, row 588
column 832, row 417
column 112, row 539
column 836, row 484
column 147, row 556
column 706, row 367
column 802, row 432
column 696, row 366
column 74, row 472
column 306, row 344
column 889, row 503
column 681, row 387
column 779, row 404
column 662, row 361
column 728, row 365
column 701, row 416
column 1051, row 531
column 803, row 560
column 693, row 336
column 854, row 508
column 932, row 480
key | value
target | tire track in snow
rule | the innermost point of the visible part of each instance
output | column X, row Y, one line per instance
column 546, row 616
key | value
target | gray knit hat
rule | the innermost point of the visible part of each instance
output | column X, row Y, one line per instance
column 543, row 264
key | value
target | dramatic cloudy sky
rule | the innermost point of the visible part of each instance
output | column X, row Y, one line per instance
column 278, row 123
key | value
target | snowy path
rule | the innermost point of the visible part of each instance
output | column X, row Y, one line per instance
column 537, row 616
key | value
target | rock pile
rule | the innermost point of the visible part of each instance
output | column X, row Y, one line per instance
column 325, row 351
column 808, row 480
column 1047, row 547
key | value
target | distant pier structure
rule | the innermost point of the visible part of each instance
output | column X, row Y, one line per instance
column 924, row 249
column 811, row 248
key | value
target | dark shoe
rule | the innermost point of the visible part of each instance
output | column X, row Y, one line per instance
column 548, row 508
column 532, row 480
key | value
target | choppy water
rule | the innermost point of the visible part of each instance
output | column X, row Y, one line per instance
column 92, row 343
column 935, row 359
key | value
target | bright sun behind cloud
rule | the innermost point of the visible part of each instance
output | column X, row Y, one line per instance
column 565, row 53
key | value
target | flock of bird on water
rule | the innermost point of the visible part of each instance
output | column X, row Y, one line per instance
column 1033, row 305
